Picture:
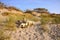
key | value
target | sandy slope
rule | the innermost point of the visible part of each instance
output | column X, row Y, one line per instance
column 36, row 32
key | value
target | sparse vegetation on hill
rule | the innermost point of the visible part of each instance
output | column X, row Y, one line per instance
column 54, row 19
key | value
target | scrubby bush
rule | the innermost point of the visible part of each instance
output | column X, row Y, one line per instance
column 3, row 36
column 31, row 17
column 45, row 19
column 56, row 20
column 5, row 13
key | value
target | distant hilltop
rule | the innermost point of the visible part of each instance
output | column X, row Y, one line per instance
column 35, row 14
column 10, row 8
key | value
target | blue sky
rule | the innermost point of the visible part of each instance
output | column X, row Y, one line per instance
column 51, row 5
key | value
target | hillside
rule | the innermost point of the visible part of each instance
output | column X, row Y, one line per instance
column 36, row 24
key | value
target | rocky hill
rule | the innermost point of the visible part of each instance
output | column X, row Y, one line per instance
column 36, row 24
